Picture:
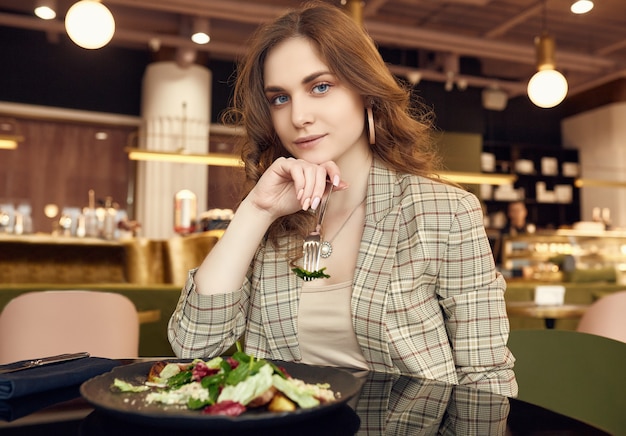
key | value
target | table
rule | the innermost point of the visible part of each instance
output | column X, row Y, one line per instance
column 548, row 313
column 387, row 404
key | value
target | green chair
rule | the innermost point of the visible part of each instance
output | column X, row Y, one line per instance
column 576, row 374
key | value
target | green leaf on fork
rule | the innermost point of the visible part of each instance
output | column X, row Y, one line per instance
column 304, row 274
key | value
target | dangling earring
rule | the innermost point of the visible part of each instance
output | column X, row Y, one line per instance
column 371, row 133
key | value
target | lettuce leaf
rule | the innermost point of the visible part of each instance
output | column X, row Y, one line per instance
column 297, row 393
column 309, row 275
column 127, row 387
column 250, row 388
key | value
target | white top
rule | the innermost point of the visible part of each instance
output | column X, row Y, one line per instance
column 325, row 331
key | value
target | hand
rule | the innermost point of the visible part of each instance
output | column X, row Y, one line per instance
column 289, row 185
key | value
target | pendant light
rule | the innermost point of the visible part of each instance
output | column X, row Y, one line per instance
column 89, row 24
column 200, row 31
column 354, row 8
column 548, row 87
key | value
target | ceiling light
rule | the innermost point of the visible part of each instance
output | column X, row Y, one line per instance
column 581, row 6
column 46, row 9
column 89, row 24
column 200, row 31
column 548, row 87
column 215, row 159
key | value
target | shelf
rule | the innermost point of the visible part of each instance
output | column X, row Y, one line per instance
column 552, row 200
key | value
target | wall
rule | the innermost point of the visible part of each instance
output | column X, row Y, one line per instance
column 59, row 162
column 597, row 134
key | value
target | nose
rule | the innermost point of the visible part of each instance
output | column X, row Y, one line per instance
column 301, row 113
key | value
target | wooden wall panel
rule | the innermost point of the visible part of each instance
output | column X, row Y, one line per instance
column 225, row 183
column 59, row 162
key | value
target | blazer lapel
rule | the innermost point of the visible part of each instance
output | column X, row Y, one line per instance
column 374, row 268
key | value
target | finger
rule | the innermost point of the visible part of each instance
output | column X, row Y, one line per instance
column 321, row 182
column 299, row 173
column 334, row 175
column 314, row 184
column 298, row 178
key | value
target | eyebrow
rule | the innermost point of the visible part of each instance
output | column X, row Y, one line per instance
column 305, row 80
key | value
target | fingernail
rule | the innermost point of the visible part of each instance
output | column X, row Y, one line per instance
column 305, row 205
column 316, row 202
column 336, row 181
column 299, row 195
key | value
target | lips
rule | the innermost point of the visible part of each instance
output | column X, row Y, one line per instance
column 308, row 141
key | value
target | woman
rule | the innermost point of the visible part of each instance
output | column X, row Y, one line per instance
column 412, row 287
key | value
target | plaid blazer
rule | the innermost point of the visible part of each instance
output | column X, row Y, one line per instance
column 426, row 301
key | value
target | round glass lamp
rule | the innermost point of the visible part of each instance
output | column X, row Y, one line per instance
column 547, row 88
column 89, row 24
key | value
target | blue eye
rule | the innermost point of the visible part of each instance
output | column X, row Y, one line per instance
column 279, row 100
column 322, row 88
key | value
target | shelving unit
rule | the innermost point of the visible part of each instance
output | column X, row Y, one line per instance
column 545, row 182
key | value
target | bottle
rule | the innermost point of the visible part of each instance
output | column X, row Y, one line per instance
column 110, row 220
column 185, row 211
column 91, row 219
column 18, row 226
column 81, row 230
column 606, row 218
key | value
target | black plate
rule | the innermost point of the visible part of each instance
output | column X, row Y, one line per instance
column 133, row 407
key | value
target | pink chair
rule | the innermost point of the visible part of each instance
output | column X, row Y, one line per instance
column 45, row 323
column 606, row 317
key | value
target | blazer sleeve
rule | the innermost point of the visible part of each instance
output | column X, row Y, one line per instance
column 206, row 325
column 472, row 300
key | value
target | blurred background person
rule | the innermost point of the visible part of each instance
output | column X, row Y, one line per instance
column 517, row 215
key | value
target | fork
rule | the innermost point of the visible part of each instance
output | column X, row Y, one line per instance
column 312, row 243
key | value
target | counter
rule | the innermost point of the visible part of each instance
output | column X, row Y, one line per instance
column 565, row 255
column 43, row 259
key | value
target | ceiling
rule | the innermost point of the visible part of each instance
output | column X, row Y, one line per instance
column 481, row 42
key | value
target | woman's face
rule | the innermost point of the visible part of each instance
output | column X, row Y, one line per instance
column 316, row 116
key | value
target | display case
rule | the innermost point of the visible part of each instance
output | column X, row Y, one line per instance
column 565, row 255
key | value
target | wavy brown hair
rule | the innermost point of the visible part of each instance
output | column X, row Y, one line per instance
column 403, row 125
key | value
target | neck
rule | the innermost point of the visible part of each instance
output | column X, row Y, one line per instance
column 355, row 170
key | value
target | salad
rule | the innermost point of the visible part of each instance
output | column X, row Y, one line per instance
column 228, row 386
